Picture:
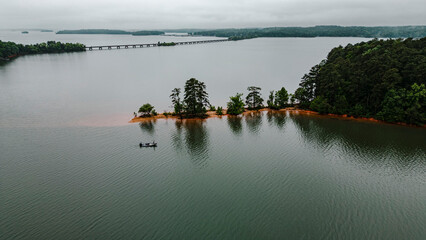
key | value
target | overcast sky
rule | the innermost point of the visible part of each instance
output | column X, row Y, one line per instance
column 157, row 14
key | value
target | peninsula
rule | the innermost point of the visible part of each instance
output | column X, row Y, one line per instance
column 379, row 80
column 9, row 50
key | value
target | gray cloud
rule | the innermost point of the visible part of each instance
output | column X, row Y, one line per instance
column 141, row 14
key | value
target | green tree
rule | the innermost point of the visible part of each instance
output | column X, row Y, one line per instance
column 292, row 99
column 320, row 105
column 301, row 96
column 219, row 111
column 146, row 109
column 357, row 111
column 379, row 78
column 308, row 82
column 177, row 103
column 10, row 49
column 236, row 104
column 405, row 105
column 281, row 98
column 254, row 99
column 196, row 98
column 271, row 100
column 341, row 105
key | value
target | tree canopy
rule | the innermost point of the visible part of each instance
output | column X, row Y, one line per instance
column 166, row 44
column 384, row 79
column 254, row 99
column 146, row 109
column 195, row 97
column 318, row 31
column 278, row 99
column 235, row 105
column 177, row 102
column 281, row 98
column 11, row 49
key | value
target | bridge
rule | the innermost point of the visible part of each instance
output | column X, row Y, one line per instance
column 142, row 45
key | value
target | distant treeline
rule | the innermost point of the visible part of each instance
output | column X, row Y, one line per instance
column 247, row 33
column 319, row 31
column 146, row 33
column 166, row 44
column 108, row 31
column 382, row 79
column 9, row 50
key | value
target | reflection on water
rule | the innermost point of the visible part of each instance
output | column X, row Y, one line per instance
column 176, row 136
column 148, row 126
column 254, row 121
column 368, row 143
column 195, row 138
column 305, row 179
column 276, row 118
column 235, row 123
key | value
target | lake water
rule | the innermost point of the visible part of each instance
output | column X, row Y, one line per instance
column 71, row 168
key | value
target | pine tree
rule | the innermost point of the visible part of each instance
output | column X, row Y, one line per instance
column 196, row 98
column 253, row 99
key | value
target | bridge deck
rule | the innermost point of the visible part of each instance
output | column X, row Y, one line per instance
column 141, row 45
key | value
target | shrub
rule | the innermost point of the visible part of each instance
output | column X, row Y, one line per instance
column 236, row 105
column 146, row 109
column 219, row 111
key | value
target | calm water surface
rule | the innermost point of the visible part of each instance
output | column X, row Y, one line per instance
column 71, row 168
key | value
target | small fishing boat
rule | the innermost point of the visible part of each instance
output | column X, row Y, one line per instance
column 152, row 144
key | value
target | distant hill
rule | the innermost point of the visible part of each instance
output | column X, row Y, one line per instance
column 319, row 31
column 248, row 33
column 145, row 33
column 93, row 31
column 183, row 30
column 109, row 31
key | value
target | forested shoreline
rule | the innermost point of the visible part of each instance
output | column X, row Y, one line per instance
column 113, row 32
column 318, row 31
column 303, row 32
column 381, row 79
column 9, row 50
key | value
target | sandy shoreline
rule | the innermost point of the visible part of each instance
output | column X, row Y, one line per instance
column 212, row 114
